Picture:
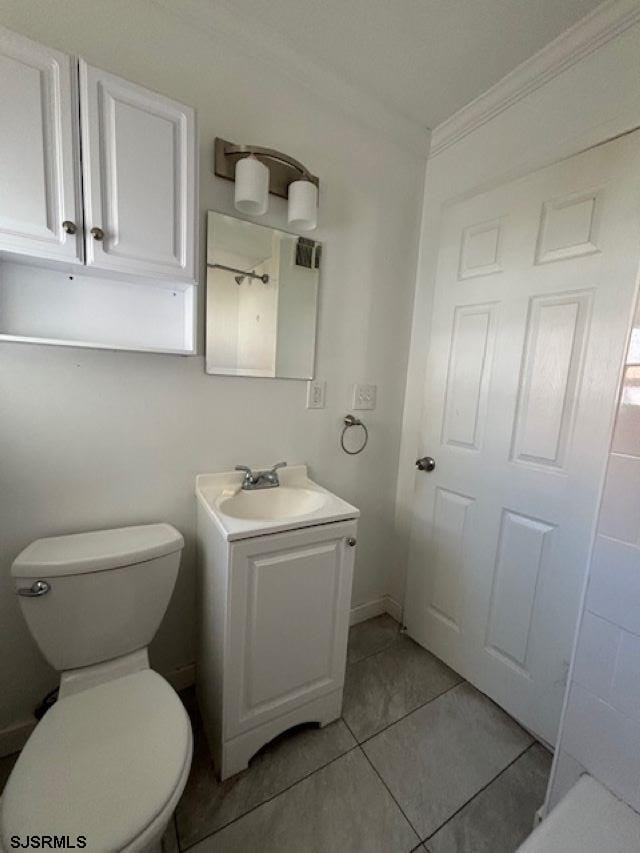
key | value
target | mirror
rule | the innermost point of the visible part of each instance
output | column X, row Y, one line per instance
column 262, row 300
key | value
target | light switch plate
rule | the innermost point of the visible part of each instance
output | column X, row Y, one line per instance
column 364, row 396
column 316, row 391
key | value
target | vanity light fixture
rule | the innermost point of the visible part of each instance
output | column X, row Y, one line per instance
column 259, row 171
column 252, row 187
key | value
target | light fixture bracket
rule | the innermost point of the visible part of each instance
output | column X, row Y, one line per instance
column 283, row 170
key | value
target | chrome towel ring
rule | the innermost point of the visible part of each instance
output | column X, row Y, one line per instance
column 351, row 421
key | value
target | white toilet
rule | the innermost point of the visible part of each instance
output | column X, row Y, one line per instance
column 110, row 759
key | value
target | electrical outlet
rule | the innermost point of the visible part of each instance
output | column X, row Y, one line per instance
column 316, row 390
column 364, row 396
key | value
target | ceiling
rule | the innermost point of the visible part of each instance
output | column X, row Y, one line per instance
column 424, row 59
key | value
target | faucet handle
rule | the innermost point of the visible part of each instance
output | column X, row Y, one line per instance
column 276, row 466
column 244, row 468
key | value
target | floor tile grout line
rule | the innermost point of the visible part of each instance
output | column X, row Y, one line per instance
column 408, row 714
column 269, row 799
column 356, row 745
column 478, row 792
column 373, row 654
column 359, row 745
column 402, row 811
column 375, row 770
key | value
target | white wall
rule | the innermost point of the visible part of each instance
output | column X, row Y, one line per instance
column 223, row 300
column 549, row 109
column 258, row 321
column 92, row 439
column 600, row 731
column 297, row 306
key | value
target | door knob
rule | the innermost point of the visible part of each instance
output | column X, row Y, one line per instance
column 98, row 233
column 69, row 227
column 427, row 463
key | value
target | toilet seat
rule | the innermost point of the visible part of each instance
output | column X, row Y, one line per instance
column 108, row 763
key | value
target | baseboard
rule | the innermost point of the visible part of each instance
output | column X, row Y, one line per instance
column 182, row 677
column 384, row 604
column 14, row 737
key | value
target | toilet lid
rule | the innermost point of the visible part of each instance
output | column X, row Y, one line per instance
column 102, row 763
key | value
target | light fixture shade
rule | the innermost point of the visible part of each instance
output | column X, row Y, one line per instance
column 303, row 205
column 252, row 186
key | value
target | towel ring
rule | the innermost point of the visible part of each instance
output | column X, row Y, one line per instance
column 352, row 421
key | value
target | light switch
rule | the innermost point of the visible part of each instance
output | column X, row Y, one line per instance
column 364, row 396
column 316, row 390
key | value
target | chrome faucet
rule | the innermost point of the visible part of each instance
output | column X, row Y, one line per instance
column 261, row 479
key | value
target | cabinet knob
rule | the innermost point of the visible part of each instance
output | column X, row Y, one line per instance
column 69, row 227
column 97, row 233
column 351, row 541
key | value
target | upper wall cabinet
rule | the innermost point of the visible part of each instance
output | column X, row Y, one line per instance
column 40, row 209
column 98, row 206
column 138, row 157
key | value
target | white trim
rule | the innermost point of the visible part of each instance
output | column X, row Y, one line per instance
column 393, row 608
column 226, row 26
column 183, row 677
column 384, row 604
column 605, row 23
column 14, row 737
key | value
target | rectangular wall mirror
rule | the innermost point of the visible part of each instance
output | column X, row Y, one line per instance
column 262, row 300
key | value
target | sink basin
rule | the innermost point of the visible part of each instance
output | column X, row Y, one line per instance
column 240, row 514
column 279, row 504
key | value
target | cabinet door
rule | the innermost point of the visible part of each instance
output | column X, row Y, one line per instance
column 39, row 175
column 290, row 596
column 139, row 169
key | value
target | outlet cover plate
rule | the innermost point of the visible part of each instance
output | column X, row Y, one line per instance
column 364, row 396
column 316, row 392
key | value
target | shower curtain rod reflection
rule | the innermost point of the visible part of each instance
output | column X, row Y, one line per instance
column 241, row 273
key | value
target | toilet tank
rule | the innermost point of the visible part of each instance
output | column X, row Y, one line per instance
column 92, row 597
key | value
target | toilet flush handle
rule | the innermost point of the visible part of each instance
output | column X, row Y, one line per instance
column 37, row 588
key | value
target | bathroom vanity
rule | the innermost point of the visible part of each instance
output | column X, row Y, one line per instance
column 276, row 565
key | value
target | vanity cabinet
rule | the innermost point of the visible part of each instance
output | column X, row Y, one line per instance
column 40, row 181
column 274, row 621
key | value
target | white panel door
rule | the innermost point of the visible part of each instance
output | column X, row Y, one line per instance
column 139, row 168
column 39, row 175
column 534, row 292
column 289, row 618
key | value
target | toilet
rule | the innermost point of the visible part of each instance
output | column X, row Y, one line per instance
column 106, row 765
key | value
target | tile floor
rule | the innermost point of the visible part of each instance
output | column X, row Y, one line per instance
column 420, row 761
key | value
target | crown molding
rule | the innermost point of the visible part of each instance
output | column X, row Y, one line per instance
column 601, row 26
column 224, row 25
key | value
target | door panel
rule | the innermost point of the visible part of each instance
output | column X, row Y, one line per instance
column 139, row 177
column 522, row 545
column 39, row 179
column 468, row 375
column 450, row 525
column 533, row 298
column 551, row 369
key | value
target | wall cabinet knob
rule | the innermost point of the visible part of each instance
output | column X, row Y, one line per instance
column 97, row 233
column 69, row 227
column 351, row 541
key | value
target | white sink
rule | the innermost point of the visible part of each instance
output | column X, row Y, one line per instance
column 281, row 503
column 241, row 513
